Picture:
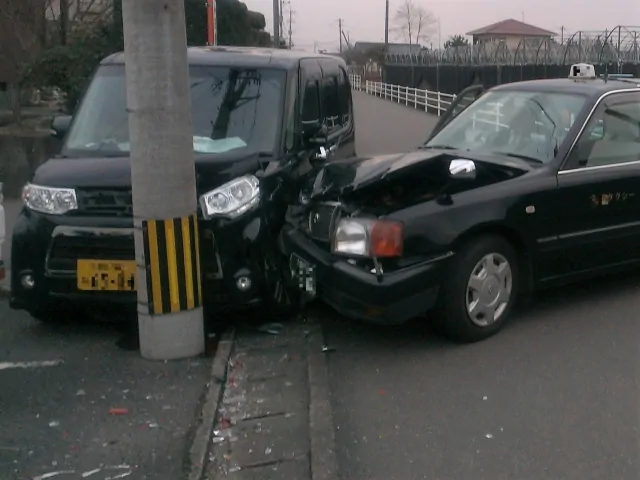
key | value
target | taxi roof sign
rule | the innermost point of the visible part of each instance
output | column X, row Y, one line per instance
column 582, row 71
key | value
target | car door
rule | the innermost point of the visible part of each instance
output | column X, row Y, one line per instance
column 465, row 98
column 598, row 196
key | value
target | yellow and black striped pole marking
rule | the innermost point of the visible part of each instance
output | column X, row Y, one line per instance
column 171, row 249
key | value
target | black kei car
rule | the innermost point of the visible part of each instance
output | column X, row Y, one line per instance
column 523, row 186
column 262, row 118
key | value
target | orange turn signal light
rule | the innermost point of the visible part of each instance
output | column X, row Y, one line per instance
column 386, row 239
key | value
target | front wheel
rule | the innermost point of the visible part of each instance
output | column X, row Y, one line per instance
column 476, row 300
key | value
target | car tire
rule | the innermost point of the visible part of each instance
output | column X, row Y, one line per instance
column 483, row 282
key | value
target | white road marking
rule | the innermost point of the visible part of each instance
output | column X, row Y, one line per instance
column 45, row 363
column 54, row 474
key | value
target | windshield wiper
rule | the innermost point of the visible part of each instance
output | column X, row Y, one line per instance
column 521, row 157
column 440, row 147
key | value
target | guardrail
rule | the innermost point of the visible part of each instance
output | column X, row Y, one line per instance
column 427, row 100
column 430, row 102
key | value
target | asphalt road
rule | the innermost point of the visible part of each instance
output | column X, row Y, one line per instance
column 553, row 397
column 59, row 416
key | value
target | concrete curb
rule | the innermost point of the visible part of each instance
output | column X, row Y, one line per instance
column 324, row 461
column 201, row 440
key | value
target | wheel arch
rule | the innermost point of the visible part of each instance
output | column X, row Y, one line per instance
column 511, row 235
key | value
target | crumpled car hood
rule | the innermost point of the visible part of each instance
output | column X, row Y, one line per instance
column 347, row 176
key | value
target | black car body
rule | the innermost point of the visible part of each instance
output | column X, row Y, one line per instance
column 528, row 185
column 260, row 116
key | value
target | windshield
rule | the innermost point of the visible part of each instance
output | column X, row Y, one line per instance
column 525, row 124
column 232, row 109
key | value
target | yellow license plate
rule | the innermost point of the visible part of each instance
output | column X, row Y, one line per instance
column 106, row 275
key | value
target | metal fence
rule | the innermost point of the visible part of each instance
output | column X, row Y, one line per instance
column 618, row 45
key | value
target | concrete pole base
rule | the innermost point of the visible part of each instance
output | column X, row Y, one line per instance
column 172, row 336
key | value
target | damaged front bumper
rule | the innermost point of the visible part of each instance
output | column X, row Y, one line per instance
column 391, row 299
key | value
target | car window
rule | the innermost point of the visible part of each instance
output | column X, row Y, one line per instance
column 311, row 103
column 527, row 123
column 330, row 102
column 612, row 135
column 344, row 97
column 232, row 110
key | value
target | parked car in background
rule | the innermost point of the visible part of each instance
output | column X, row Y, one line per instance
column 262, row 119
column 524, row 186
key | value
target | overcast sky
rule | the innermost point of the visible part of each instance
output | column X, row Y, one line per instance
column 316, row 22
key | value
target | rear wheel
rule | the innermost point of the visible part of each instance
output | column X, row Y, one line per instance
column 477, row 298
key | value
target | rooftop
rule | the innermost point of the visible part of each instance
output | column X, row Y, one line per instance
column 231, row 55
column 511, row 26
column 596, row 86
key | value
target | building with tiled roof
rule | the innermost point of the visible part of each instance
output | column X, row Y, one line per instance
column 511, row 32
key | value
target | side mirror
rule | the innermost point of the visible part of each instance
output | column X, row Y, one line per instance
column 60, row 126
column 462, row 169
column 315, row 133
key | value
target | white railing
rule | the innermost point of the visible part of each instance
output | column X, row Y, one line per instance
column 427, row 100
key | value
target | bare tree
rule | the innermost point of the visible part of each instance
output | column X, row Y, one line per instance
column 413, row 22
column 73, row 15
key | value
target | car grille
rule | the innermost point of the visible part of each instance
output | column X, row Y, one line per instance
column 322, row 220
column 65, row 250
column 107, row 202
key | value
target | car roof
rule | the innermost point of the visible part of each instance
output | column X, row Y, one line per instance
column 588, row 87
column 241, row 56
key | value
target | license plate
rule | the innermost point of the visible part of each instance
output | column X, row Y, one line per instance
column 106, row 275
column 304, row 273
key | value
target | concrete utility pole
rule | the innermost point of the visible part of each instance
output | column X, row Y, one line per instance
column 163, row 180
column 276, row 23
column 340, row 32
column 386, row 24
column 290, row 27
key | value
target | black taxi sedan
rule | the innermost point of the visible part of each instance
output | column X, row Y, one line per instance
column 519, row 187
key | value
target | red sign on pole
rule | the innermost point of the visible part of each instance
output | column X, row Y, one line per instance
column 212, row 34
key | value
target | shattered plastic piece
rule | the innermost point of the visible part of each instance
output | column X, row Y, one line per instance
column 80, row 393
column 488, row 435
column 54, row 474
column 485, row 397
column 271, row 328
column 54, row 423
column 326, row 349
column 153, row 425
column 267, row 451
column 118, row 411
column 217, row 439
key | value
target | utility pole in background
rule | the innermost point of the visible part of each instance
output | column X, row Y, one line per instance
column 290, row 27
column 212, row 23
column 170, row 315
column 281, row 21
column 386, row 38
column 276, row 23
column 340, row 32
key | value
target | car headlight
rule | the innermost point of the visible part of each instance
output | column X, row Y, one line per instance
column 368, row 238
column 51, row 200
column 231, row 199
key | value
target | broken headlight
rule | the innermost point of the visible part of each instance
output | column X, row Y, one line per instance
column 231, row 199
